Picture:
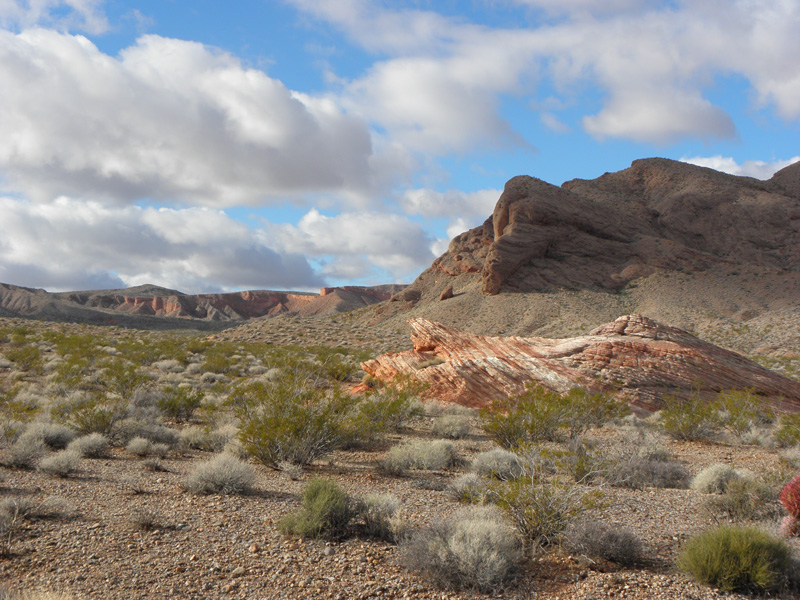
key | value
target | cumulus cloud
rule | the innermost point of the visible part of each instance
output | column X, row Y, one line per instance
column 352, row 244
column 169, row 120
column 70, row 244
column 758, row 169
column 654, row 62
column 82, row 15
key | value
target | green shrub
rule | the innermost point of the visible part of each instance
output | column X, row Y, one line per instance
column 740, row 410
column 693, row 418
column 387, row 409
column 326, row 512
column 474, row 550
column 542, row 507
column 539, row 414
column 287, row 420
column 222, row 474
column 94, row 445
column 788, row 432
column 736, row 559
column 598, row 540
column 91, row 412
column 498, row 464
column 180, row 402
column 28, row 358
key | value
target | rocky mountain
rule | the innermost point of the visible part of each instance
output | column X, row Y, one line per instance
column 637, row 358
column 157, row 307
column 715, row 254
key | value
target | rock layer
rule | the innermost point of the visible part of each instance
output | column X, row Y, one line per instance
column 634, row 356
column 656, row 215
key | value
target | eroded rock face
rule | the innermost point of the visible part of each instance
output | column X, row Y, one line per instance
column 658, row 214
column 638, row 358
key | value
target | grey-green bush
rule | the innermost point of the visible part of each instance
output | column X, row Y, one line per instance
column 598, row 540
column 222, row 474
column 469, row 489
column 423, row 455
column 379, row 513
column 24, row 453
column 94, row 445
column 474, row 550
column 498, row 464
column 737, row 559
column 453, row 427
column 326, row 512
column 714, row 479
column 61, row 464
column 53, row 435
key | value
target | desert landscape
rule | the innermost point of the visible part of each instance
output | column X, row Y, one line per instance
column 561, row 406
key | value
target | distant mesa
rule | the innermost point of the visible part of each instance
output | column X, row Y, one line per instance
column 143, row 305
column 635, row 357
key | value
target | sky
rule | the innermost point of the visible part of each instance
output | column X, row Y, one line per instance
column 208, row 146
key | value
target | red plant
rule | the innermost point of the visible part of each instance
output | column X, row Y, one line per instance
column 790, row 497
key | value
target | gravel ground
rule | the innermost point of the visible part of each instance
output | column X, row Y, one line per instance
column 230, row 547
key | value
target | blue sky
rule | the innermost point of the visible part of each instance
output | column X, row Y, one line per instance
column 290, row 144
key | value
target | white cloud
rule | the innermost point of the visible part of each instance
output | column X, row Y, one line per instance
column 70, row 244
column 387, row 241
column 169, row 120
column 81, row 15
column 758, row 169
column 654, row 62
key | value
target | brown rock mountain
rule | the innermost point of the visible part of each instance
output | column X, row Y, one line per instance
column 634, row 356
column 715, row 254
column 153, row 306
column 657, row 215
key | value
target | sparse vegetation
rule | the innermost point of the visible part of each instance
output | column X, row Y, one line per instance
column 221, row 474
column 474, row 550
column 737, row 559
column 434, row 455
column 599, row 540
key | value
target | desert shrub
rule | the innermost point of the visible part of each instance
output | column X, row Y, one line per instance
column 736, row 559
column 94, row 445
column 580, row 460
column 27, row 358
column 379, row 513
column 222, row 474
column 121, row 377
column 201, row 438
column 692, row 418
column 788, row 430
column 498, row 464
column 598, row 540
column 744, row 499
column 127, row 429
column 639, row 462
column 53, row 435
column 139, row 446
column 91, row 412
column 146, row 519
column 538, row 414
column 24, row 453
column 714, row 479
column 180, row 402
column 474, row 550
column 288, row 420
column 453, row 427
column 387, row 409
column 468, row 488
column 541, row 507
column 741, row 410
column 290, row 470
column 326, row 511
column 61, row 464
column 432, row 455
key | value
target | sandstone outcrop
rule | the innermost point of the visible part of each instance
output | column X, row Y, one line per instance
column 658, row 214
column 638, row 358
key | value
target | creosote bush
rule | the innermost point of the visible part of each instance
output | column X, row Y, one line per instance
column 474, row 550
column 540, row 414
column 737, row 559
column 221, row 474
column 326, row 512
column 693, row 418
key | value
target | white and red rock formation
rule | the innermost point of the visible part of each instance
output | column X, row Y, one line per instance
column 634, row 356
